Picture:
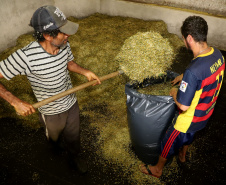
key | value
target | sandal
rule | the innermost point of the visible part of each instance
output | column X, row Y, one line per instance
column 148, row 170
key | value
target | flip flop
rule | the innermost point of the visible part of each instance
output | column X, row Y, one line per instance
column 148, row 170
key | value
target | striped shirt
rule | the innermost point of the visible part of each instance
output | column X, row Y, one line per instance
column 199, row 90
column 48, row 74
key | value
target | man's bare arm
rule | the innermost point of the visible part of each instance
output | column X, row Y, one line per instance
column 173, row 93
column 21, row 107
column 72, row 66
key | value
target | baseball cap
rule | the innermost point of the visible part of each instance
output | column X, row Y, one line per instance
column 49, row 18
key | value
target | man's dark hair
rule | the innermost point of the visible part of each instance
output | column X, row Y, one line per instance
column 39, row 35
column 195, row 26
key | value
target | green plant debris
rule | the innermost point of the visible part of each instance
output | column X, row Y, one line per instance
column 161, row 89
column 145, row 55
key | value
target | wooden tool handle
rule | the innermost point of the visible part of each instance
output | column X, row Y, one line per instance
column 74, row 89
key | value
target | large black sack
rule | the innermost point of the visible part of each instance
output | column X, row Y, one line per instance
column 149, row 117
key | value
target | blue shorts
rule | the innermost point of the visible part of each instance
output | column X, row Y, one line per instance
column 173, row 141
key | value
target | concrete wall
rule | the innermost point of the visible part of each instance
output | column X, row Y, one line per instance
column 215, row 7
column 78, row 8
column 15, row 16
column 173, row 17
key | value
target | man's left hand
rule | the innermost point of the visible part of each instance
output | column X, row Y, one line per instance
column 91, row 76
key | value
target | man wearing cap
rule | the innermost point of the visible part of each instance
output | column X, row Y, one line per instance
column 46, row 62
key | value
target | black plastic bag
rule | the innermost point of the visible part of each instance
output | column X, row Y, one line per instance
column 149, row 117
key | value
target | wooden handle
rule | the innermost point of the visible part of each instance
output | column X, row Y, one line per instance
column 74, row 89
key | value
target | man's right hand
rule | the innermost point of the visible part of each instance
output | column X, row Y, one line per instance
column 23, row 108
column 177, row 79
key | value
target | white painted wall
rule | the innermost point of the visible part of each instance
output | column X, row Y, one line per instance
column 15, row 16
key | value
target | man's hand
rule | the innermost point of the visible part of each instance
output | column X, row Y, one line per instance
column 177, row 79
column 23, row 108
column 91, row 76
column 72, row 66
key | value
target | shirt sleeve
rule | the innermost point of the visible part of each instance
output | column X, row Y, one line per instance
column 187, row 88
column 70, row 54
column 15, row 64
